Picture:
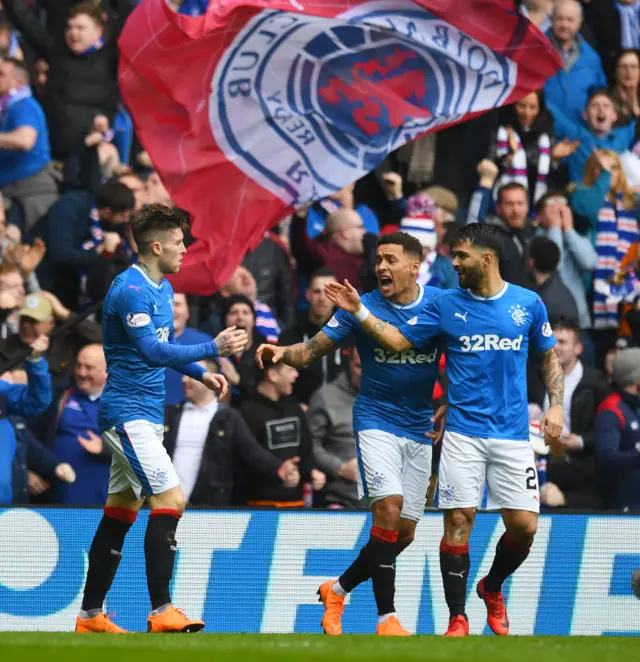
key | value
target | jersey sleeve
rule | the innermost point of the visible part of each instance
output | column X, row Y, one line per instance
column 339, row 327
column 420, row 330
column 541, row 336
column 134, row 308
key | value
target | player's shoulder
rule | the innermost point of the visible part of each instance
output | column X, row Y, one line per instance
column 434, row 295
column 521, row 294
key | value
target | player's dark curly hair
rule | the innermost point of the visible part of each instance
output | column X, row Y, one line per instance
column 409, row 244
column 480, row 234
column 153, row 220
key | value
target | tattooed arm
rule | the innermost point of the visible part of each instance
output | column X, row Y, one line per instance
column 299, row 355
column 553, row 377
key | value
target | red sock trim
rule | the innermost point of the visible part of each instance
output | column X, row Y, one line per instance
column 384, row 535
column 513, row 545
column 125, row 515
column 453, row 550
column 166, row 511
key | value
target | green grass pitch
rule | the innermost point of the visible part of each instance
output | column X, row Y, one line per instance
column 49, row 647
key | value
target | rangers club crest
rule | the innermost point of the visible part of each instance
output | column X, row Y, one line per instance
column 518, row 314
column 337, row 98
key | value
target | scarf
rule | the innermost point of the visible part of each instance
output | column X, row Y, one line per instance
column 96, row 47
column 617, row 230
column 629, row 24
column 11, row 98
column 517, row 170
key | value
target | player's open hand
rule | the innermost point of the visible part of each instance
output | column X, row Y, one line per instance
column 551, row 424
column 344, row 296
column 231, row 341
column 438, row 421
column 267, row 352
column 39, row 346
column 216, row 383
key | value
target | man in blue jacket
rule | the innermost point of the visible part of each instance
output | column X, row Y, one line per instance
column 20, row 400
column 617, row 435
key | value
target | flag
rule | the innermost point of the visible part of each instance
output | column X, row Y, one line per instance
column 257, row 107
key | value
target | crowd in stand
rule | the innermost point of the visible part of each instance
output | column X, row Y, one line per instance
column 558, row 173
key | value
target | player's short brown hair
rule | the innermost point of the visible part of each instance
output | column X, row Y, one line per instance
column 410, row 245
column 152, row 221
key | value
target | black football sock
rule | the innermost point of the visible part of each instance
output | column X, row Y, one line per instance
column 104, row 556
column 382, row 566
column 160, row 553
column 454, row 566
column 509, row 557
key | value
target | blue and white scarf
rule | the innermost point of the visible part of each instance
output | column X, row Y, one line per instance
column 629, row 24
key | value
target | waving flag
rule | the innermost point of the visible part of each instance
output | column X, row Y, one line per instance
column 260, row 106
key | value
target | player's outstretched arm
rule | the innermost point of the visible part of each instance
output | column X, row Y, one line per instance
column 346, row 297
column 551, row 422
column 299, row 355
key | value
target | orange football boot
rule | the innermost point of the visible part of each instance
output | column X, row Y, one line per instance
column 496, row 610
column 458, row 627
column 333, row 608
column 391, row 628
column 172, row 620
column 99, row 623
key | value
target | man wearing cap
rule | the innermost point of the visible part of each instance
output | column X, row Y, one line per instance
column 617, row 435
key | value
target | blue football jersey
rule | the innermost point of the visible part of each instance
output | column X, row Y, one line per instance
column 134, row 307
column 396, row 387
column 487, row 344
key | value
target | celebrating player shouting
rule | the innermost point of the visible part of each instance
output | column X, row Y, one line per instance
column 391, row 415
column 488, row 326
column 139, row 344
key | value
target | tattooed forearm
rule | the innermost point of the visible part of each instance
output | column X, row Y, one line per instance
column 553, row 377
column 378, row 329
column 300, row 355
column 385, row 334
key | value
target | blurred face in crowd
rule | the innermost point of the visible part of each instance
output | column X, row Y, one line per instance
column 470, row 261
column 114, row 221
column 568, row 347
column 13, row 283
column 242, row 282
column 628, row 71
column 156, row 191
column 137, row 187
column 600, row 115
column 180, row 313
column 91, row 370
column 527, row 109
column 83, row 32
column 355, row 369
column 513, row 207
column 346, row 229
column 551, row 210
column 7, row 77
column 194, row 390
column 241, row 316
column 396, row 269
column 320, row 308
column 29, row 329
column 611, row 162
column 283, row 377
column 566, row 21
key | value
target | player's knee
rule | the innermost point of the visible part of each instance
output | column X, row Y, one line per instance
column 386, row 512
column 523, row 530
column 458, row 525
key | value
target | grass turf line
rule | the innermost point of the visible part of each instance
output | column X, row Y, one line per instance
column 70, row 647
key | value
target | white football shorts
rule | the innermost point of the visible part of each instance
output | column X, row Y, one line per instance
column 139, row 459
column 390, row 465
column 508, row 466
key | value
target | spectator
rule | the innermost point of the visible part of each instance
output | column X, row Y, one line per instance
column 620, row 343
column 544, row 256
column 617, row 435
column 137, row 186
column 331, row 425
column 9, row 43
column 21, row 400
column 342, row 253
column 539, row 12
column 571, row 475
column 278, row 423
column 610, row 209
column 577, row 257
column 626, row 89
column 26, row 178
column 185, row 335
column 82, row 54
column 425, row 222
column 567, row 90
column 156, row 190
column 12, row 293
column 77, row 440
column 524, row 148
column 320, row 310
column 77, row 229
column 600, row 117
column 240, row 369
column 206, row 440
column 271, row 269
column 512, row 219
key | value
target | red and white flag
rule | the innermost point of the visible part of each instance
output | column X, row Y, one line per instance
column 260, row 106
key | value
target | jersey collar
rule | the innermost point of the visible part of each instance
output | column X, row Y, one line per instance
column 497, row 295
column 146, row 277
column 413, row 303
